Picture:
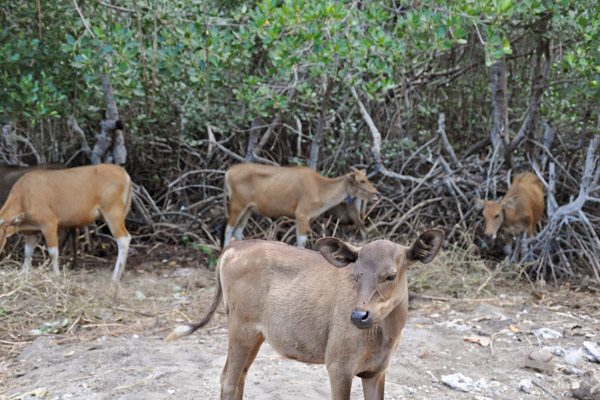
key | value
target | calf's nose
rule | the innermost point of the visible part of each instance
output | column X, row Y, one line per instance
column 488, row 236
column 361, row 318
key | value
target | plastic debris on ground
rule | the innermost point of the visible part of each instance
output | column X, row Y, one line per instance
column 463, row 383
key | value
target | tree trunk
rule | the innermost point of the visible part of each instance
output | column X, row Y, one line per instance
column 111, row 132
column 316, row 142
column 499, row 134
column 538, row 84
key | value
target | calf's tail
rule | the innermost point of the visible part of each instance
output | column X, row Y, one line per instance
column 184, row 330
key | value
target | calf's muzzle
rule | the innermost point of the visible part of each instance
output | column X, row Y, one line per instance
column 361, row 319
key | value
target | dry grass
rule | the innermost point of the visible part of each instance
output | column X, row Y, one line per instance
column 79, row 305
column 460, row 272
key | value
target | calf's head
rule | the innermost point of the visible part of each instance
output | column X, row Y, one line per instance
column 379, row 269
column 358, row 186
column 494, row 214
column 8, row 228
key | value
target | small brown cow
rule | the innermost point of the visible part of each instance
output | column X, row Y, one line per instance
column 520, row 209
column 349, row 318
column 10, row 174
column 295, row 191
column 350, row 213
column 45, row 200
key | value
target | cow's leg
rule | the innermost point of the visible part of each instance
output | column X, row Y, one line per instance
column 241, row 224
column 249, row 361
column 115, row 219
column 373, row 388
column 301, row 229
column 240, row 356
column 30, row 243
column 50, row 232
column 340, row 381
column 235, row 225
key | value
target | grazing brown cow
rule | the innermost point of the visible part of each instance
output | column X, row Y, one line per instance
column 520, row 209
column 45, row 200
column 349, row 213
column 9, row 174
column 349, row 318
column 296, row 192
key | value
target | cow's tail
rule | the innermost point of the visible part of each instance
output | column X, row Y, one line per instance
column 184, row 330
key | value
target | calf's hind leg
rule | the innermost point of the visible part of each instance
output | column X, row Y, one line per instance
column 242, row 352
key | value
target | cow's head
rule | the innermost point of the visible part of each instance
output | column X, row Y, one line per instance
column 358, row 186
column 8, row 227
column 494, row 214
column 379, row 269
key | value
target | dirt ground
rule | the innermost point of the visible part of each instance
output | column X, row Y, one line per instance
column 116, row 350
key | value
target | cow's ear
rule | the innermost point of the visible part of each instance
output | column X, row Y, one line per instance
column 510, row 203
column 479, row 204
column 426, row 247
column 336, row 252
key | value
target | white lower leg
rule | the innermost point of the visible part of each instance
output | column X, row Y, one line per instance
column 53, row 251
column 238, row 233
column 123, row 245
column 228, row 233
column 301, row 240
column 30, row 242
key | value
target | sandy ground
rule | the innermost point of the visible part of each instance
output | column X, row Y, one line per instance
column 124, row 355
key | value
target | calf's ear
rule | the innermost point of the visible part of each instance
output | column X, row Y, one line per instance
column 479, row 204
column 336, row 252
column 425, row 248
column 510, row 203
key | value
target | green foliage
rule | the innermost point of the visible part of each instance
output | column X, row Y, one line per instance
column 275, row 56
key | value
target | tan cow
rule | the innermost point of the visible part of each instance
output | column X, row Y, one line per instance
column 296, row 192
column 10, row 174
column 518, row 212
column 45, row 200
column 350, row 213
column 349, row 318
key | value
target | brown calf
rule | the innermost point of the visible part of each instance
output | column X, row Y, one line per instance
column 350, row 214
column 45, row 200
column 9, row 174
column 349, row 318
column 518, row 211
column 296, row 192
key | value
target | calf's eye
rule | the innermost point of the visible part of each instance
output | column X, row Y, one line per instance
column 391, row 277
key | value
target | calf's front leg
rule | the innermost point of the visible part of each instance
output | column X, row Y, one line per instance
column 30, row 243
column 50, row 233
column 340, row 381
column 373, row 389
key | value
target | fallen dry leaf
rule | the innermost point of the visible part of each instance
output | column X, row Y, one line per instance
column 481, row 340
column 513, row 328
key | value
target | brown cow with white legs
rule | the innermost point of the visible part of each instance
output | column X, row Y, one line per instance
column 10, row 174
column 519, row 210
column 344, row 307
column 44, row 200
column 297, row 192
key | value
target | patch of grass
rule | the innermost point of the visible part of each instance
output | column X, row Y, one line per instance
column 459, row 272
